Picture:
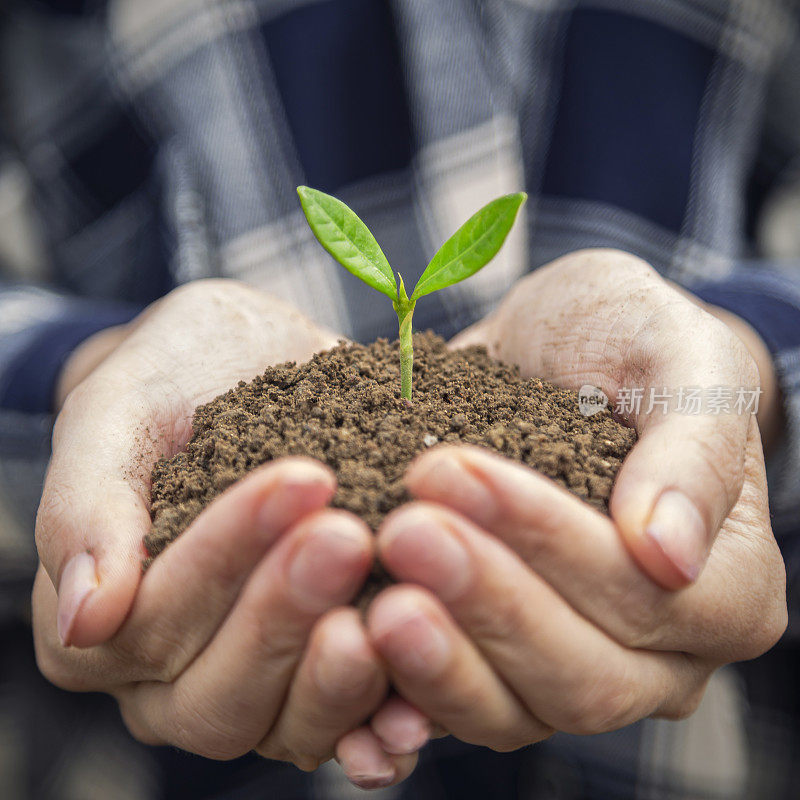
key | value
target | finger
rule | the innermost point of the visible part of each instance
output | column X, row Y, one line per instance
column 229, row 698
column 94, row 508
column 365, row 763
column 441, row 672
column 89, row 530
column 190, row 587
column 675, row 488
column 568, row 673
column 685, row 473
column 400, row 727
column 579, row 552
column 338, row 684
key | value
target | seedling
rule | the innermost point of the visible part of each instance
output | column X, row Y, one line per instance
column 349, row 241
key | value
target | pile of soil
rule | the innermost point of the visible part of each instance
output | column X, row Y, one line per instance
column 344, row 408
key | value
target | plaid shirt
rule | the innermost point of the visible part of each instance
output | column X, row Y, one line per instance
column 147, row 143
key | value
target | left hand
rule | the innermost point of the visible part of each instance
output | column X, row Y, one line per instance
column 532, row 612
column 236, row 638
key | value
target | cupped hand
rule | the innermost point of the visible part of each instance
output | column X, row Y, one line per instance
column 237, row 637
column 523, row 610
column 607, row 319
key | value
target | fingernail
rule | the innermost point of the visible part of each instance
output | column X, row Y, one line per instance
column 339, row 671
column 78, row 580
column 365, row 764
column 404, row 743
column 678, row 530
column 298, row 483
column 370, row 782
column 446, row 476
column 321, row 574
column 411, row 642
column 299, row 474
column 377, row 779
column 422, row 549
column 402, row 735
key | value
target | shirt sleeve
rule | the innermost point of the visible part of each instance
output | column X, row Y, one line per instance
column 38, row 331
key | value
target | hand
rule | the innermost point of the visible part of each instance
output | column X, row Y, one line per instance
column 236, row 638
column 529, row 613
column 606, row 318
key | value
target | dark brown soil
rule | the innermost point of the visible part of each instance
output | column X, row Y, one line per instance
column 344, row 408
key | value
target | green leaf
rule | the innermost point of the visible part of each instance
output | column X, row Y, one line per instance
column 472, row 246
column 347, row 239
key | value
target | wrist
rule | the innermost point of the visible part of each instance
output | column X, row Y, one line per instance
column 85, row 358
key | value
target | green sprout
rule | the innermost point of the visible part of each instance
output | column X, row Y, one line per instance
column 349, row 241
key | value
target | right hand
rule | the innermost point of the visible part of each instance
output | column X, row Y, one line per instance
column 237, row 637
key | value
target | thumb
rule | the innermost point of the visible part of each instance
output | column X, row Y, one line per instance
column 676, row 487
column 91, row 520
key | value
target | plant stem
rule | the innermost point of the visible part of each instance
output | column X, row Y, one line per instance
column 406, row 354
column 405, row 312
